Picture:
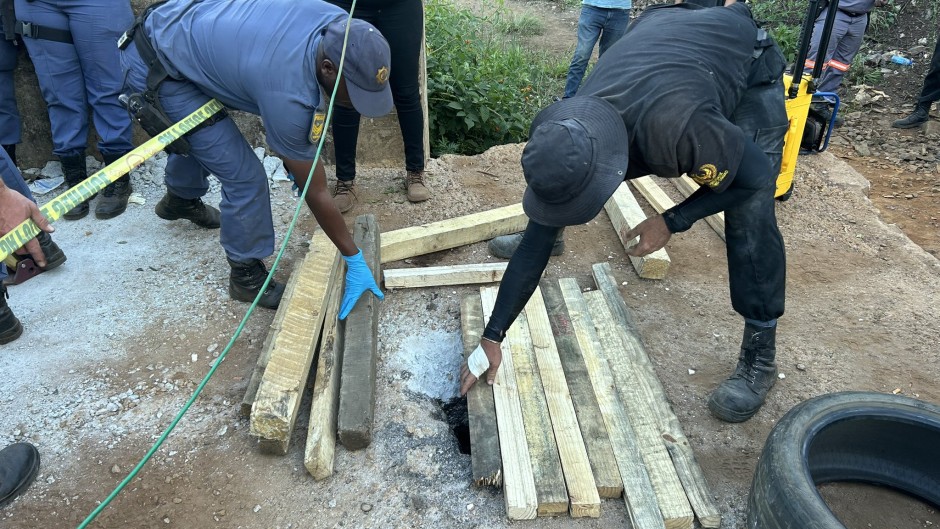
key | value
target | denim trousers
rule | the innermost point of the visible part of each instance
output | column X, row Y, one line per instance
column 594, row 22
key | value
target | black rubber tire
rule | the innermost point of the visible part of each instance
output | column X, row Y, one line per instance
column 863, row 437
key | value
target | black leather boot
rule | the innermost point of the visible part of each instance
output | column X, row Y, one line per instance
column 505, row 245
column 54, row 255
column 75, row 172
column 918, row 117
column 172, row 207
column 246, row 280
column 739, row 397
column 10, row 327
column 113, row 199
column 19, row 464
column 11, row 151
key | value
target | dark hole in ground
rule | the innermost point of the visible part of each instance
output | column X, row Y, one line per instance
column 455, row 410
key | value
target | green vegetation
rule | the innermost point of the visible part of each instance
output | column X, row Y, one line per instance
column 483, row 89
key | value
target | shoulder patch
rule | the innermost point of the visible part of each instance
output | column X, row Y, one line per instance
column 316, row 127
column 708, row 175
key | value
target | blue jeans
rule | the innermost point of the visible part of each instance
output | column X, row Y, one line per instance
column 594, row 22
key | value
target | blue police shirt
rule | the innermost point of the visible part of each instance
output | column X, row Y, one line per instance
column 254, row 56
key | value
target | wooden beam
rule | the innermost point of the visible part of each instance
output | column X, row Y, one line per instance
column 485, row 461
column 634, row 392
column 687, row 186
column 582, row 490
column 543, row 451
column 518, row 482
column 435, row 276
column 451, row 233
column 653, row 193
column 321, row 430
column 274, row 412
column 638, row 493
column 625, row 213
column 590, row 421
column 683, row 458
column 360, row 348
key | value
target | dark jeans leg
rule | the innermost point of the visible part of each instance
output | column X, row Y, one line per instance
column 401, row 24
column 931, row 90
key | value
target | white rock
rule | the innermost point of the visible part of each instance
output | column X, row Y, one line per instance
column 691, row 371
column 781, row 376
column 257, row 508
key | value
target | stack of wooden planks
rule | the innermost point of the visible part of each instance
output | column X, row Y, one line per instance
column 306, row 333
column 577, row 413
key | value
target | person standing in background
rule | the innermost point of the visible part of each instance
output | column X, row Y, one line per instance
column 928, row 94
column 402, row 24
column 73, row 46
column 600, row 19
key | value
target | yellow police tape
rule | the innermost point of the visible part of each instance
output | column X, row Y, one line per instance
column 55, row 208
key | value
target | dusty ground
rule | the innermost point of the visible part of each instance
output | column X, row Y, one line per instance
column 118, row 339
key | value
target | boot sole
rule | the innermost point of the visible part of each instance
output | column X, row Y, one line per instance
column 109, row 214
column 76, row 216
column 21, row 488
column 11, row 335
column 728, row 415
column 166, row 216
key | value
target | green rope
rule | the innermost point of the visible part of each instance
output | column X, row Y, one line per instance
column 156, row 446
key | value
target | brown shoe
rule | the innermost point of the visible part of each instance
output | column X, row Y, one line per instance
column 417, row 191
column 344, row 195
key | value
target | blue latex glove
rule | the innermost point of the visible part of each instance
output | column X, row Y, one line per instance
column 358, row 279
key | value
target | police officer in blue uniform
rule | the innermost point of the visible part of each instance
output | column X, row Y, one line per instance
column 10, row 123
column 73, row 46
column 278, row 59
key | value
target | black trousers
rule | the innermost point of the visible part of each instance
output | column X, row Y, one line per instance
column 931, row 90
column 401, row 23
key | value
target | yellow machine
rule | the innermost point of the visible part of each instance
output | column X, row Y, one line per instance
column 801, row 137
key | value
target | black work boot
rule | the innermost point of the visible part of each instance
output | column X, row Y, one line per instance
column 54, row 255
column 19, row 464
column 739, row 397
column 11, row 151
column 10, row 327
column 505, row 245
column 246, row 280
column 172, row 207
column 917, row 118
column 114, row 197
column 75, row 172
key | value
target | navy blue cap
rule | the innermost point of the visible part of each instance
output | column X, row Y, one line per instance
column 366, row 67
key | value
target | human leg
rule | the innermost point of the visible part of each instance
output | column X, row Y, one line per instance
column 614, row 28
column 10, row 123
column 590, row 23
column 928, row 94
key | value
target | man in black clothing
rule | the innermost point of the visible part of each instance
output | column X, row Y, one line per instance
column 928, row 94
column 703, row 98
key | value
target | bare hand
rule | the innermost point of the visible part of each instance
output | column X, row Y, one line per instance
column 653, row 235
column 14, row 209
column 494, row 354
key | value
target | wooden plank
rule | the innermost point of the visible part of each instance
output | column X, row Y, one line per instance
column 582, row 490
column 435, row 276
column 638, row 493
column 653, row 193
column 687, row 186
column 485, row 461
column 673, row 503
column 451, row 233
column 683, row 458
column 625, row 213
column 321, row 430
column 360, row 348
column 274, row 412
column 258, row 372
column 518, row 481
column 543, row 451
column 593, row 430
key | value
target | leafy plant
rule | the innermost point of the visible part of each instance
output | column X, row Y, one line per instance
column 482, row 91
